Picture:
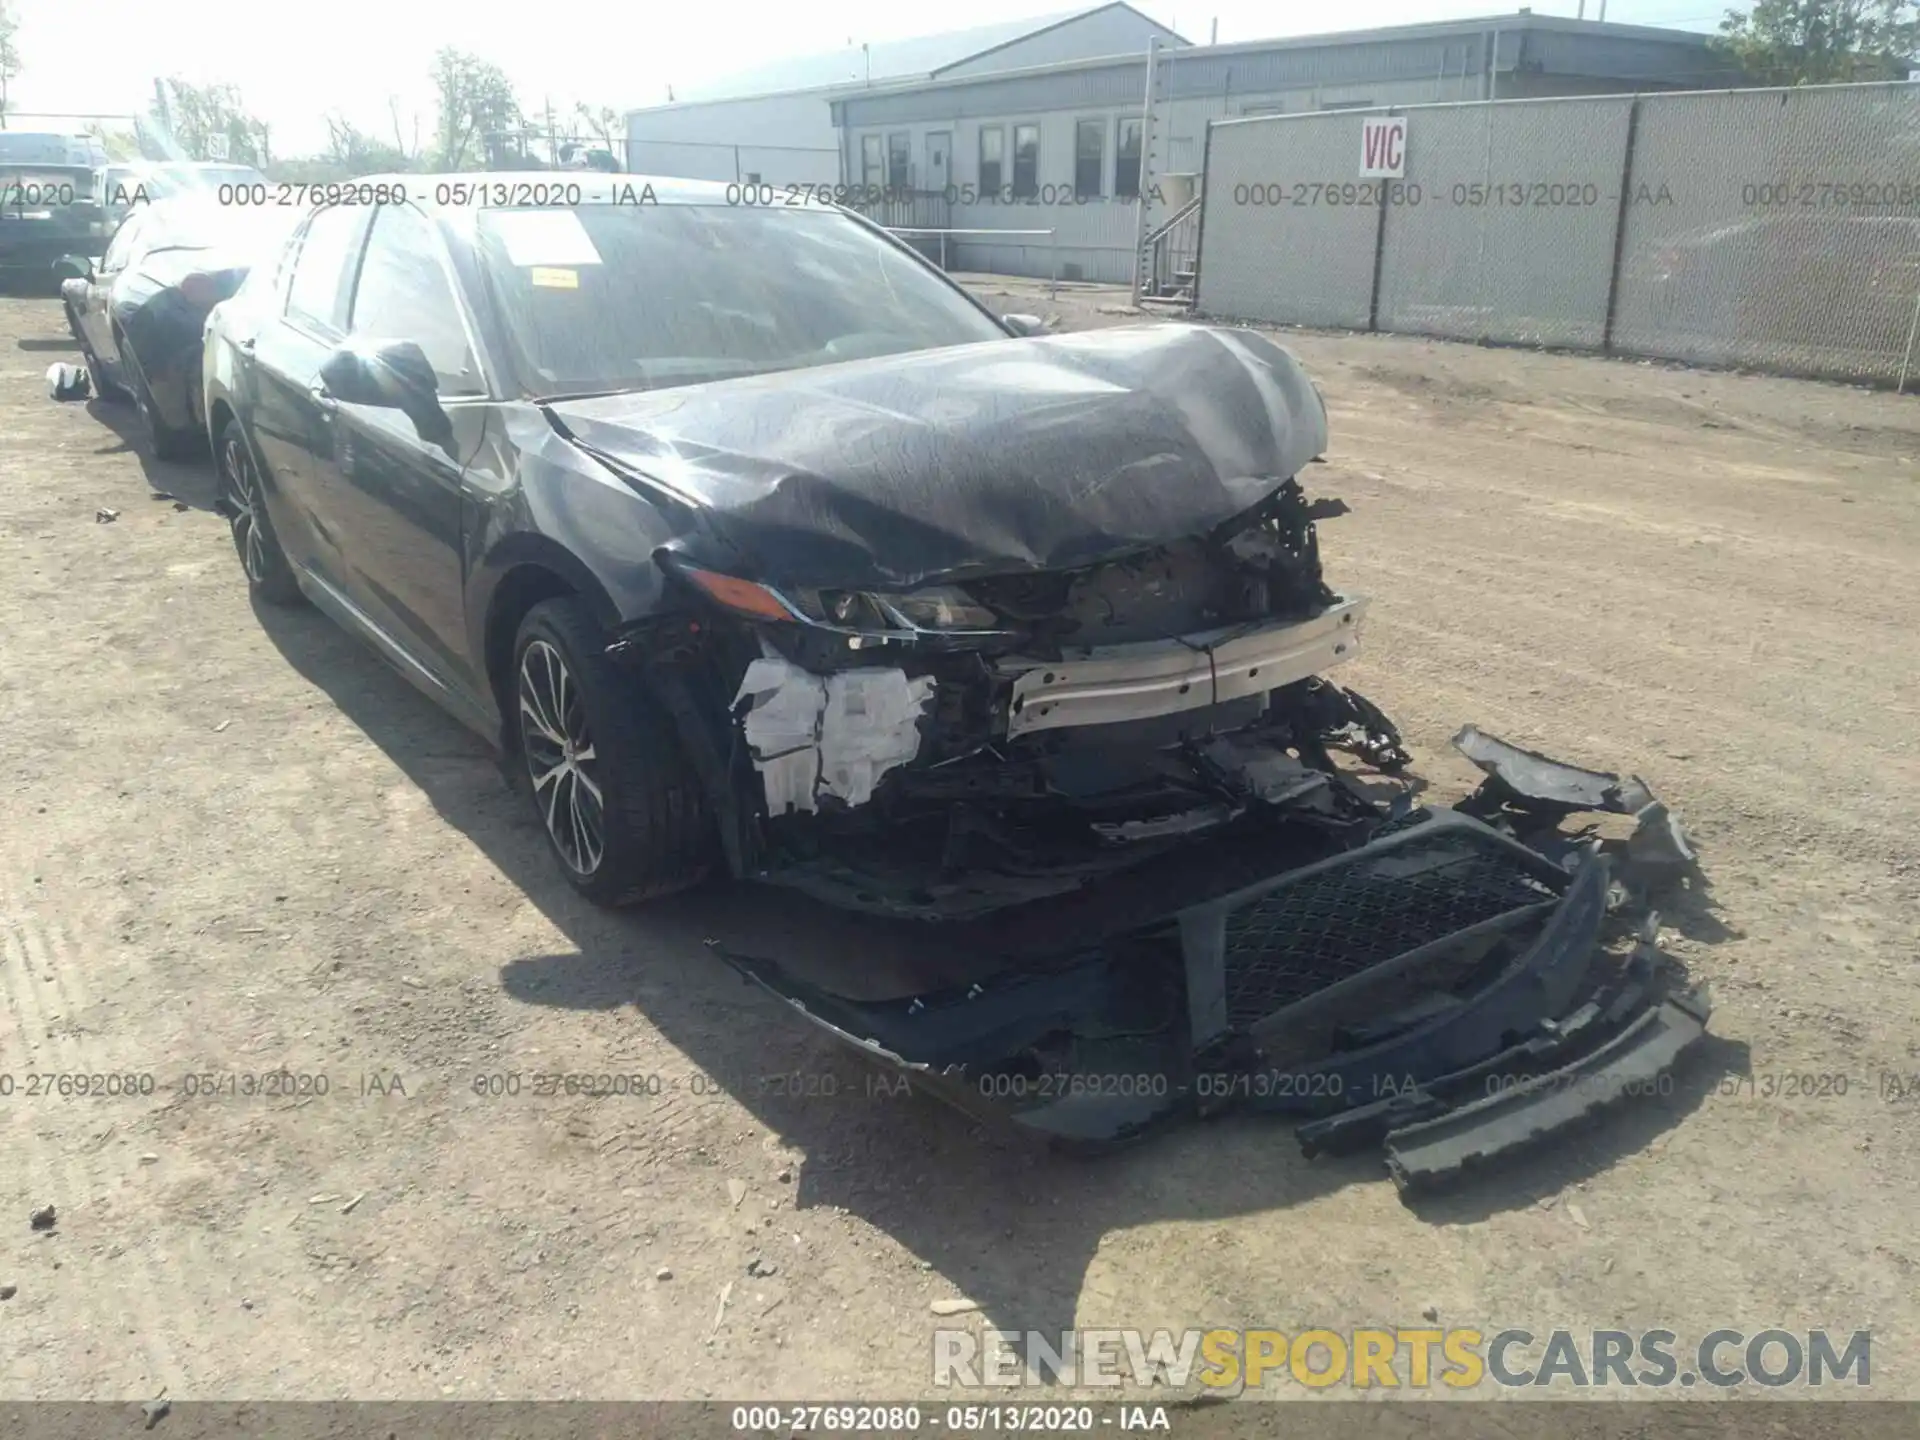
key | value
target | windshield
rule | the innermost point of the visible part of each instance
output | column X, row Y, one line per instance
column 194, row 223
column 624, row 297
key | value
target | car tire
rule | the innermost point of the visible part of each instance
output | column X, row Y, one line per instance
column 269, row 573
column 600, row 753
column 163, row 440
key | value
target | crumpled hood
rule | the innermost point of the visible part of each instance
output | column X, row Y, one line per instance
column 1033, row 454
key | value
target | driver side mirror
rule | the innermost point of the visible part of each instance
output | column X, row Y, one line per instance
column 73, row 267
column 1024, row 324
column 394, row 376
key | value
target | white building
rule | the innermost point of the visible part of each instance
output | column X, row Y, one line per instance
column 1069, row 145
column 776, row 124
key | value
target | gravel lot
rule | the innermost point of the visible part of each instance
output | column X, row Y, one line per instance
column 233, row 843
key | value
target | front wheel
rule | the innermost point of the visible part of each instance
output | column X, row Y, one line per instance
column 103, row 386
column 269, row 573
column 621, row 808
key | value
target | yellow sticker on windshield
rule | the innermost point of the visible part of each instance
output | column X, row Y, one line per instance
column 552, row 279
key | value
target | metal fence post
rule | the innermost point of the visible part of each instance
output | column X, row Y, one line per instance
column 1907, row 358
column 1053, row 251
column 1620, row 225
column 1379, row 253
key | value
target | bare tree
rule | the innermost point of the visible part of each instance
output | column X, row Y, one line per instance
column 408, row 151
column 119, row 144
column 201, row 116
column 602, row 124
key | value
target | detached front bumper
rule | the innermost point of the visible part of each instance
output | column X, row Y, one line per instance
column 1444, row 990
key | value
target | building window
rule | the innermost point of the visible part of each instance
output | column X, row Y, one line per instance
column 870, row 162
column 899, row 148
column 1026, row 162
column 1089, row 158
column 1347, row 105
column 993, row 155
column 1126, row 161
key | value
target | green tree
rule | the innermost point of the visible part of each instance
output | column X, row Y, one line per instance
column 199, row 116
column 9, row 51
column 476, row 100
column 1822, row 42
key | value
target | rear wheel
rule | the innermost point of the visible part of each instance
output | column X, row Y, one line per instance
column 269, row 574
column 619, row 803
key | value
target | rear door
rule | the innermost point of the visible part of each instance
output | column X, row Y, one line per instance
column 396, row 500
column 291, row 419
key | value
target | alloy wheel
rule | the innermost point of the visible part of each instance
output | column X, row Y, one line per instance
column 244, row 492
column 561, row 760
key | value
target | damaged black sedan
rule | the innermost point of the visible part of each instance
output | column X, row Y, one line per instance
column 763, row 547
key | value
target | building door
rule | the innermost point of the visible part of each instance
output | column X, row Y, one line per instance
column 939, row 158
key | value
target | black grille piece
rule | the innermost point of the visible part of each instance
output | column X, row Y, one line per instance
column 1336, row 923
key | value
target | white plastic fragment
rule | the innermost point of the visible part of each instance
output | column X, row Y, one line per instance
column 871, row 725
column 783, row 730
column 837, row 736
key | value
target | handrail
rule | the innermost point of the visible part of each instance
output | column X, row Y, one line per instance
column 1175, row 218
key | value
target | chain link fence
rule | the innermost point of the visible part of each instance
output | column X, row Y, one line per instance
column 1774, row 230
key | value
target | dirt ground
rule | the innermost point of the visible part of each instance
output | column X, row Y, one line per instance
column 234, row 843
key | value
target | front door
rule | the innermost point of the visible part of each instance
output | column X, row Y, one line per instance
column 939, row 160
column 399, row 497
column 292, row 419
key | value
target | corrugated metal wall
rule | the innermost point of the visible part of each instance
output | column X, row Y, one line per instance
column 1773, row 229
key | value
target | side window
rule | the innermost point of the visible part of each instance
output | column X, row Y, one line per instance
column 1126, row 162
column 122, row 247
column 1026, row 162
column 1089, row 158
column 317, row 295
column 993, row 146
column 404, row 294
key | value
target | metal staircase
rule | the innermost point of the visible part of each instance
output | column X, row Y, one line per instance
column 1170, row 259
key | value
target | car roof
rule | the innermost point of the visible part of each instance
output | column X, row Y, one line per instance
column 595, row 187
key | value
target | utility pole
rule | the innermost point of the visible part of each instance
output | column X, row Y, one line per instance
column 1146, row 152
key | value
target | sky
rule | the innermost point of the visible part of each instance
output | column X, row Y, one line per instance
column 365, row 60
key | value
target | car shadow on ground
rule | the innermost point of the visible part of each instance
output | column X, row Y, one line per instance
column 1003, row 1221
column 193, row 483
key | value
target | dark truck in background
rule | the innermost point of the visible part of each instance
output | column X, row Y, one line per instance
column 48, row 202
column 46, row 211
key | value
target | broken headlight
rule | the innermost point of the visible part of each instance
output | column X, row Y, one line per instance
column 939, row 607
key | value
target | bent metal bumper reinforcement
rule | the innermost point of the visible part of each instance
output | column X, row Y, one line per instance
column 1163, row 677
column 1443, row 990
